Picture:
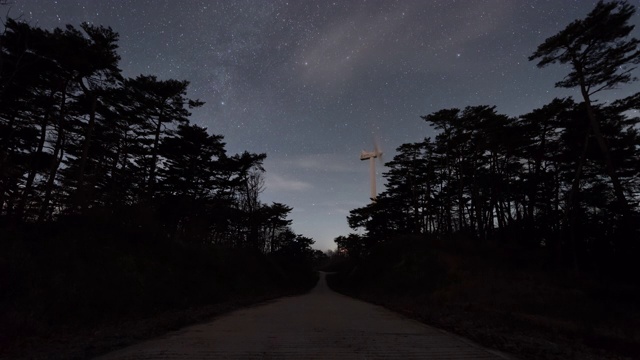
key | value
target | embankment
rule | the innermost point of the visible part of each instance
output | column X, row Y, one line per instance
column 500, row 299
column 77, row 292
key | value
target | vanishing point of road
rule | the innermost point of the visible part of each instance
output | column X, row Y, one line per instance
column 319, row 325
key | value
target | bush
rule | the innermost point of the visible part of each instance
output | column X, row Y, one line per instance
column 398, row 266
column 81, row 275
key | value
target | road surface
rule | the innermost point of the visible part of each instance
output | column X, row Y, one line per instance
column 319, row 325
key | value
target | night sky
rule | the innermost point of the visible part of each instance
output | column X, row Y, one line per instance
column 312, row 83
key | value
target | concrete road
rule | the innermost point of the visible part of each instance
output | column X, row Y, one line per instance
column 319, row 325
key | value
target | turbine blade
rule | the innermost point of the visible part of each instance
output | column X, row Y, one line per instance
column 376, row 145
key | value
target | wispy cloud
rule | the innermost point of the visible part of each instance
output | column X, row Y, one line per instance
column 333, row 163
column 343, row 45
column 362, row 41
column 278, row 182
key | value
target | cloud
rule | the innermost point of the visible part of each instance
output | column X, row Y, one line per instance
column 324, row 163
column 278, row 182
column 343, row 46
column 365, row 42
column 333, row 163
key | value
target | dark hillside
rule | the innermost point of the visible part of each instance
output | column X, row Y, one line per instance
column 509, row 302
column 526, row 229
column 119, row 218
column 76, row 279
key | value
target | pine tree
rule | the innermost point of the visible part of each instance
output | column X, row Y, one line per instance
column 601, row 57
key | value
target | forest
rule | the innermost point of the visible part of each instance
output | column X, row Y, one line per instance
column 521, row 233
column 561, row 181
column 113, row 205
column 513, row 231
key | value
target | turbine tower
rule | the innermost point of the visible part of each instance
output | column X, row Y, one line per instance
column 371, row 156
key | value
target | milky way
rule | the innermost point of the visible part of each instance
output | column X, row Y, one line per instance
column 312, row 83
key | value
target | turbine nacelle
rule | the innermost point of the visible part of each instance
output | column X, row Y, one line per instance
column 371, row 156
column 365, row 155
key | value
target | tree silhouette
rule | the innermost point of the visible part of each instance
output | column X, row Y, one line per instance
column 163, row 102
column 600, row 56
column 95, row 70
column 191, row 158
column 78, row 139
column 112, row 202
column 491, row 178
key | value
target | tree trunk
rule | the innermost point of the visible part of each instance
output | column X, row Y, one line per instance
column 81, row 196
column 58, row 154
column 154, row 157
column 537, row 169
column 602, row 144
column 4, row 157
column 569, row 214
column 33, row 168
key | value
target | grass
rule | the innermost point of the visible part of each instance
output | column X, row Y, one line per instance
column 505, row 302
column 82, row 290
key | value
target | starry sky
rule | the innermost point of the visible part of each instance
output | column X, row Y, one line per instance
column 312, row 83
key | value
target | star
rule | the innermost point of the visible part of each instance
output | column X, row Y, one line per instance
column 313, row 81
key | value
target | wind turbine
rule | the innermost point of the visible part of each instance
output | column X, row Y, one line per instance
column 371, row 156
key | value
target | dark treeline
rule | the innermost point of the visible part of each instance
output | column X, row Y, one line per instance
column 78, row 138
column 521, row 233
column 560, row 181
column 112, row 203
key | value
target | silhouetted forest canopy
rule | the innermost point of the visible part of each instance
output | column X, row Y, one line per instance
column 112, row 201
column 519, row 232
column 114, row 205
column 77, row 138
column 560, row 183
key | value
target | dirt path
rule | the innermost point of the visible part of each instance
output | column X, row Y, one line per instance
column 319, row 325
